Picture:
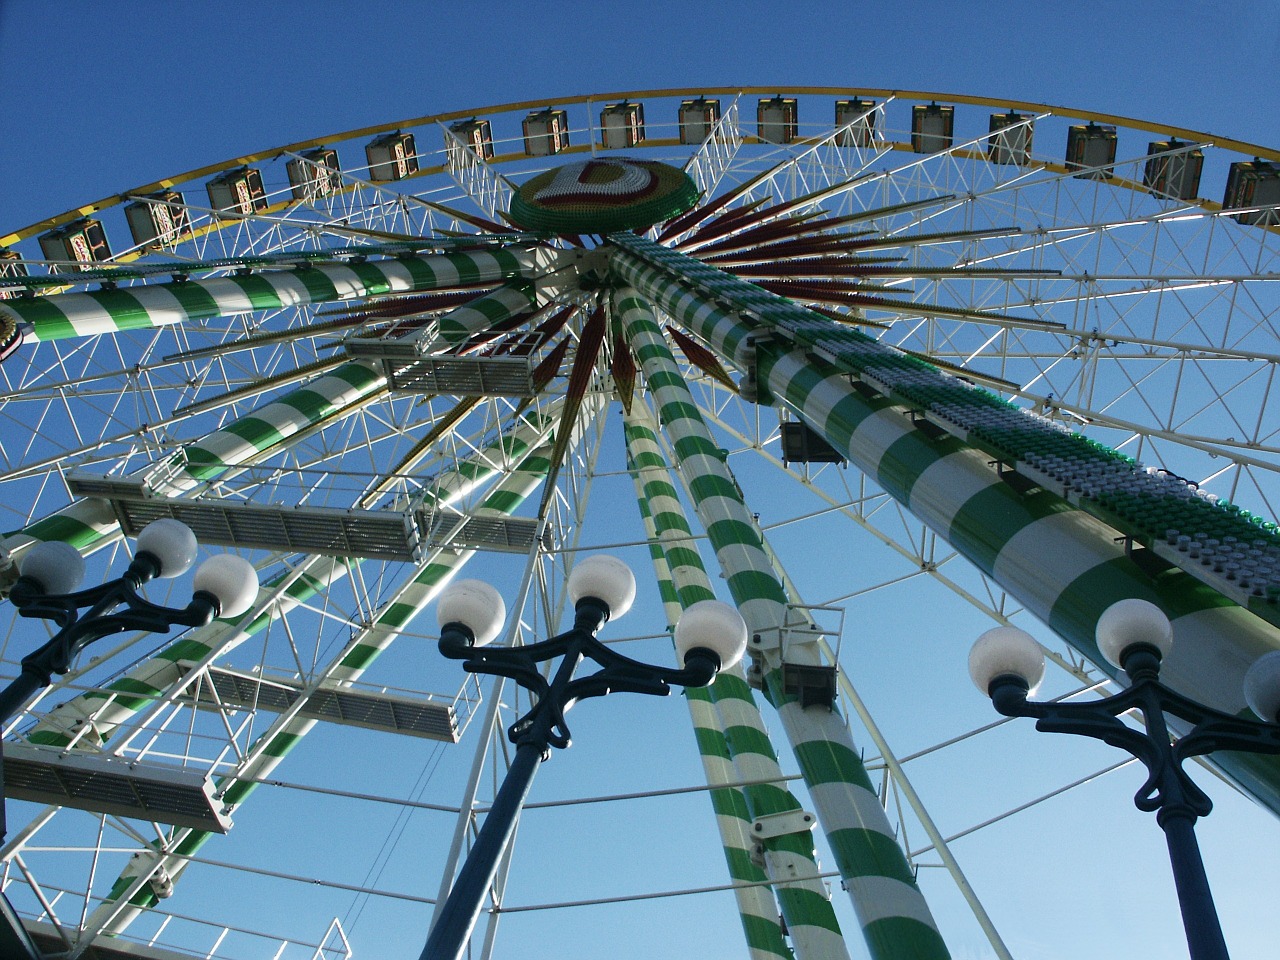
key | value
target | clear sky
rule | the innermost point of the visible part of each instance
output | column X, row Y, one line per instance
column 97, row 98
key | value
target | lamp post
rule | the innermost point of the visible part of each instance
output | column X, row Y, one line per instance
column 50, row 572
column 1007, row 664
column 709, row 636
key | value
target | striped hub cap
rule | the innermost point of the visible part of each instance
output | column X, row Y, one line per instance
column 602, row 196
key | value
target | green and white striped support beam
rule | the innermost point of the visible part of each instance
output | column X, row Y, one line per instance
column 86, row 524
column 91, row 523
column 484, row 312
column 733, row 740
column 65, row 315
column 265, row 428
column 1236, row 553
column 1061, row 563
column 348, row 666
column 895, row 919
column 277, row 421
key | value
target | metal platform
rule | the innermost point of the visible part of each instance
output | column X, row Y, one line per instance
column 406, row 348
column 463, row 376
column 500, row 534
column 331, row 531
column 430, row 719
column 109, row 488
column 374, row 535
column 108, row 784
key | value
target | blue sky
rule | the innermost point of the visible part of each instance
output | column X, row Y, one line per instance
column 100, row 97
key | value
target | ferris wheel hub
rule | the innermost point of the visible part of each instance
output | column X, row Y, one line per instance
column 599, row 196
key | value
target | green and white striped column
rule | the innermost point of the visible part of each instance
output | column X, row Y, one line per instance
column 429, row 578
column 732, row 739
column 895, row 919
column 64, row 315
column 1063, row 564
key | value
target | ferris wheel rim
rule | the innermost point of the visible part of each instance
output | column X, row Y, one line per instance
column 1245, row 148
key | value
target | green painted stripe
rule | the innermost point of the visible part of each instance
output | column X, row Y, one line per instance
column 361, row 656
column 319, row 287
column 262, row 295
column 988, row 520
column 902, row 938
column 755, row 585
column 433, row 573
column 123, row 308
column 424, row 277
column 813, row 906
column 763, row 935
column 64, row 528
column 503, row 500
column 186, row 648
column 468, row 269
column 194, row 299
column 748, row 740
column 1078, row 608
column 281, row 744
column 397, row 614
column 48, row 322
column 312, row 404
column 867, row 853
column 256, row 432
column 826, row 762
column 907, row 458
column 374, row 280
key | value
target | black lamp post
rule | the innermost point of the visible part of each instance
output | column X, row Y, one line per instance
column 709, row 636
column 50, row 572
column 1135, row 635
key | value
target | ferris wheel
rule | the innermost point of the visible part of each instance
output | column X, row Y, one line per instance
column 876, row 366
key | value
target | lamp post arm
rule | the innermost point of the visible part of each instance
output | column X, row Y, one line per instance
column 1098, row 719
column 102, row 619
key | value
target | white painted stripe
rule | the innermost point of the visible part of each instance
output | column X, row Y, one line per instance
column 1208, row 669
column 397, row 277
column 161, row 305
column 946, row 485
column 874, row 435
column 345, row 281
column 287, row 286
column 228, row 295
column 1040, row 561
column 849, row 806
column 883, row 898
